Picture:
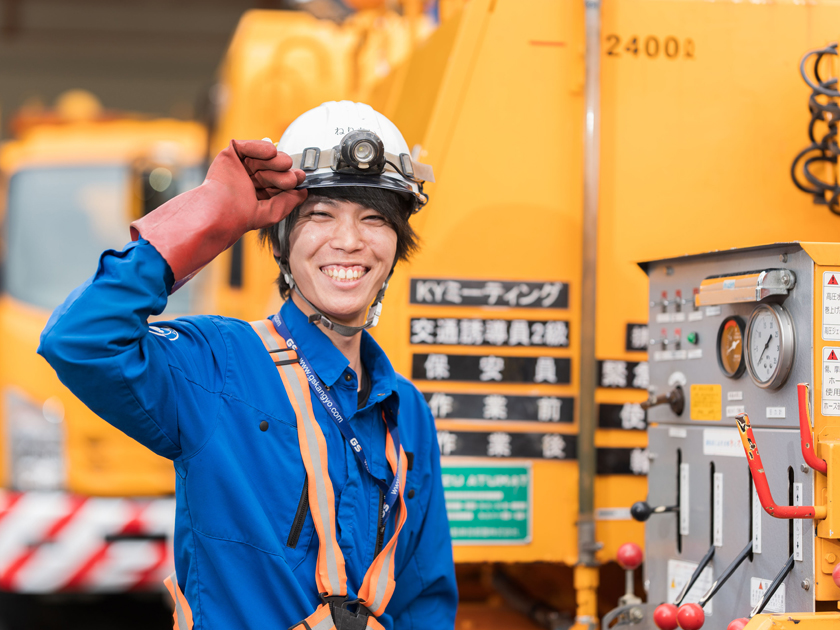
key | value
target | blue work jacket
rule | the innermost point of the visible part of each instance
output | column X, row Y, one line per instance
column 196, row 390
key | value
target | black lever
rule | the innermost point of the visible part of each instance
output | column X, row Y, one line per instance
column 771, row 590
column 694, row 576
column 675, row 399
column 641, row 510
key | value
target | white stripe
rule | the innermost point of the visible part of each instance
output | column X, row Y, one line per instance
column 122, row 567
column 53, row 564
column 27, row 523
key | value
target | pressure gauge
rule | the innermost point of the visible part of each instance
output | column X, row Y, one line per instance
column 770, row 345
column 730, row 347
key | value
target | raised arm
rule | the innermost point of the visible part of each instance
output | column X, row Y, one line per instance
column 160, row 385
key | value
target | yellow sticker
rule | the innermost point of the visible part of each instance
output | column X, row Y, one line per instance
column 706, row 402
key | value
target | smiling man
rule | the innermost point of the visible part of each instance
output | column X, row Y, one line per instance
column 308, row 472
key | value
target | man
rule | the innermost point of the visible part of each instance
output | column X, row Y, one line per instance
column 308, row 472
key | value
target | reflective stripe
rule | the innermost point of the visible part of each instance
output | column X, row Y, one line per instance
column 378, row 585
column 330, row 575
column 182, row 614
column 267, row 339
column 326, row 621
column 320, row 477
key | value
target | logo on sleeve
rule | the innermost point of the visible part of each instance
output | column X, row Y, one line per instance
column 166, row 333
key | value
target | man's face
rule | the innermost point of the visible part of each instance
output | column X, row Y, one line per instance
column 340, row 254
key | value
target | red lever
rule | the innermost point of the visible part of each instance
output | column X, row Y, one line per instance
column 760, row 479
column 629, row 556
column 805, row 434
column 665, row 617
column 738, row 624
column 691, row 617
column 835, row 575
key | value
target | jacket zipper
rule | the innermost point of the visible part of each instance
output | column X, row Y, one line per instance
column 300, row 516
column 380, row 526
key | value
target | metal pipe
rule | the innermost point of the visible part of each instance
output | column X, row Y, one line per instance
column 591, row 157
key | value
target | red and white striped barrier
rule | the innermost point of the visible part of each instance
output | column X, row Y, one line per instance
column 53, row 541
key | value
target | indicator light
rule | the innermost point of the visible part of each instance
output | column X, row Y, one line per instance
column 692, row 338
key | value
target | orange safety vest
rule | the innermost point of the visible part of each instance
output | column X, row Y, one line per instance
column 330, row 575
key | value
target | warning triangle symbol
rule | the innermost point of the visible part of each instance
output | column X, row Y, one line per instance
column 760, row 586
column 833, row 280
column 832, row 356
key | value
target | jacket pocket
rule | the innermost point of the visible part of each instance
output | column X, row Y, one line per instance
column 300, row 515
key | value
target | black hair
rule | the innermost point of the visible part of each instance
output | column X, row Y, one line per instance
column 394, row 206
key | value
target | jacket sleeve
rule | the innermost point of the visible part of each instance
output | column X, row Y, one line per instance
column 157, row 384
column 430, row 596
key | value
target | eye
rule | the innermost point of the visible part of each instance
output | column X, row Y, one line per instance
column 376, row 219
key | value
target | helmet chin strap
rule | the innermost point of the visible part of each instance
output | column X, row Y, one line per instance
column 318, row 317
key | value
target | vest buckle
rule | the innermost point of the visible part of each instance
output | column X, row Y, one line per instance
column 343, row 617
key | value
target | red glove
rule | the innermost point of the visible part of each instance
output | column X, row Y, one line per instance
column 249, row 186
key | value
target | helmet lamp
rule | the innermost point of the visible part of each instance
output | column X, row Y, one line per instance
column 362, row 151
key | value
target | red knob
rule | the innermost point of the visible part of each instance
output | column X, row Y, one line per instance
column 691, row 617
column 835, row 575
column 737, row 624
column 665, row 617
column 629, row 556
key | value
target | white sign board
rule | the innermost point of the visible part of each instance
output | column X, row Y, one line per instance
column 831, row 306
column 831, row 381
column 757, row 589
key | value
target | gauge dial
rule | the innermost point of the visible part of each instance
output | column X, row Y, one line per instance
column 730, row 349
column 770, row 345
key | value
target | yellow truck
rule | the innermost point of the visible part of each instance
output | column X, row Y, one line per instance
column 82, row 506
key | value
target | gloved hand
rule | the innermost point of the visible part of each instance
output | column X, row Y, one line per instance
column 249, row 186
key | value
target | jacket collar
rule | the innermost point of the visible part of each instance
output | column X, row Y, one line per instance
column 328, row 361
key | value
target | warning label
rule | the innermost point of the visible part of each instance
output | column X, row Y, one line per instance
column 831, row 381
column 706, row 402
column 679, row 573
column 758, row 588
column 831, row 306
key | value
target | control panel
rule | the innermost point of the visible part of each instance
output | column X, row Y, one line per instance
column 743, row 411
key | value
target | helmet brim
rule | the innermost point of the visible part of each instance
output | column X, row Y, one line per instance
column 331, row 180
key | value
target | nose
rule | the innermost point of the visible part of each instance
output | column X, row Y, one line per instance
column 347, row 235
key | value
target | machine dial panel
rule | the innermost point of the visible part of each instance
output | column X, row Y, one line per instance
column 770, row 345
column 730, row 353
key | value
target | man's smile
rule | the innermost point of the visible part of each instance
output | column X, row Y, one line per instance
column 344, row 273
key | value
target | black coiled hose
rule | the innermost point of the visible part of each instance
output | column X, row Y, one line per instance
column 824, row 148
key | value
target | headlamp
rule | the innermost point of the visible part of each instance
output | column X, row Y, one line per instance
column 361, row 151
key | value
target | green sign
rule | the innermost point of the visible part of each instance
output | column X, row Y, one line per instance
column 488, row 504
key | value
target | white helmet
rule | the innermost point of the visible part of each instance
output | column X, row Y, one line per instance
column 350, row 144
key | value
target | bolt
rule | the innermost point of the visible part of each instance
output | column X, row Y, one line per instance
column 806, row 585
column 804, row 469
column 669, row 270
column 636, row 615
column 783, row 258
column 830, row 558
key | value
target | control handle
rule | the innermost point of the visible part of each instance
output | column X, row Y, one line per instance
column 805, row 431
column 762, row 488
column 692, row 616
column 641, row 510
column 674, row 399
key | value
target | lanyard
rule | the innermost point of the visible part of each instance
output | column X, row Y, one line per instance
column 391, row 493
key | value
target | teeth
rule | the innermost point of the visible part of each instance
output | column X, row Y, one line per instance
column 342, row 273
